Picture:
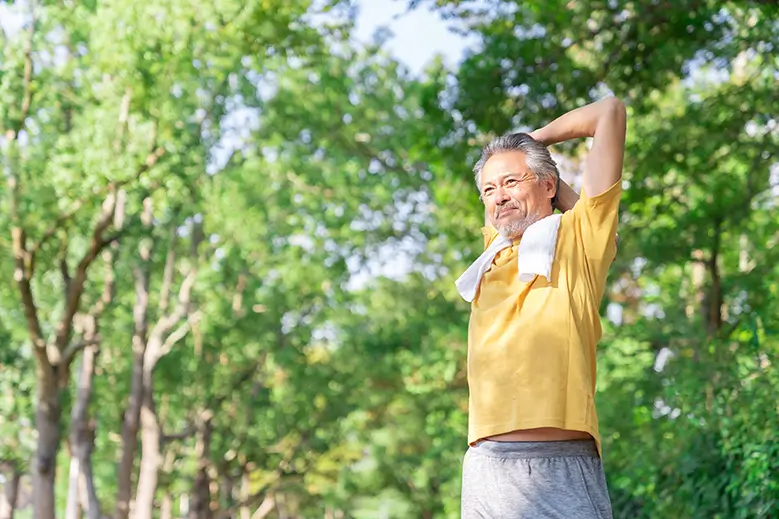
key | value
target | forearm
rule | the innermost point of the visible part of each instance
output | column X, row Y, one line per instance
column 605, row 121
column 578, row 123
column 566, row 197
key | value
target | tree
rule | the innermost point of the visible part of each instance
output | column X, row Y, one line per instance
column 693, row 280
column 243, row 229
column 130, row 124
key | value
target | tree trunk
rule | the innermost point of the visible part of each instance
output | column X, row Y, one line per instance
column 245, row 512
column 201, row 498
column 183, row 505
column 130, row 427
column 47, row 416
column 131, row 419
column 713, row 302
column 10, row 493
column 72, row 508
column 159, row 341
column 86, row 486
column 266, row 507
column 151, row 458
column 281, row 506
column 148, row 348
column 224, row 497
column 82, row 441
column 166, row 508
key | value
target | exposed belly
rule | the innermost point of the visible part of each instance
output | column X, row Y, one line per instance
column 542, row 434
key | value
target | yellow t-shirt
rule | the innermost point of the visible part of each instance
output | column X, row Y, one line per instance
column 531, row 345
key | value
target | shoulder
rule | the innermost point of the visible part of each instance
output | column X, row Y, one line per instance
column 609, row 198
column 597, row 212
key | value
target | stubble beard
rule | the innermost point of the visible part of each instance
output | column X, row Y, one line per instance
column 516, row 227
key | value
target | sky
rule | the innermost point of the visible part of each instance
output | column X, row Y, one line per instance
column 419, row 34
column 10, row 19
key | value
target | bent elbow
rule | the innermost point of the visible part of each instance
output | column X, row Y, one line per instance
column 616, row 108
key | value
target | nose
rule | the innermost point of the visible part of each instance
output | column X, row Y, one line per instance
column 501, row 196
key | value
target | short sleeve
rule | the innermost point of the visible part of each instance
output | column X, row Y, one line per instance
column 596, row 220
column 602, row 210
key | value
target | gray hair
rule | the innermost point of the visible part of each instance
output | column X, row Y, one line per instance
column 539, row 160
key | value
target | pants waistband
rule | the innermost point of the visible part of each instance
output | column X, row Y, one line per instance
column 529, row 450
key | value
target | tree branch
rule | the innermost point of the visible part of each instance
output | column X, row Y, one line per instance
column 56, row 226
column 249, row 501
column 115, row 187
column 23, row 276
column 65, row 269
column 70, row 351
column 266, row 507
column 187, row 432
column 109, row 285
column 278, row 473
column 168, row 271
column 77, row 284
column 113, row 237
column 124, row 112
column 24, row 265
column 167, row 322
column 151, row 159
column 178, row 334
column 217, row 401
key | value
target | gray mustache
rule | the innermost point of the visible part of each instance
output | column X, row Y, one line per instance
column 504, row 208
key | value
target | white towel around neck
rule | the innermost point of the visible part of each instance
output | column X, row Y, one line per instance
column 534, row 256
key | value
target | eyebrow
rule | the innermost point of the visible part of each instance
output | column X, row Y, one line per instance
column 505, row 175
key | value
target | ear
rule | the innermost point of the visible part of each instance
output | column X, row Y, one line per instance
column 550, row 187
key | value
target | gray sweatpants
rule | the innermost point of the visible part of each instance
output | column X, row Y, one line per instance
column 534, row 480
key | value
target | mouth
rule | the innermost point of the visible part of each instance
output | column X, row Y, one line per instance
column 504, row 212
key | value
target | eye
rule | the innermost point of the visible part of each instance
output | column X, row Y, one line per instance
column 511, row 182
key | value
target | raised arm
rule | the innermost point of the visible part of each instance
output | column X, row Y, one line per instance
column 605, row 121
column 566, row 197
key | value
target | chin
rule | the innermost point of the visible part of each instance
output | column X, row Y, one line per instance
column 515, row 228
column 512, row 231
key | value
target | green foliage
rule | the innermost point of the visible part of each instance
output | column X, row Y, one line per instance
column 322, row 364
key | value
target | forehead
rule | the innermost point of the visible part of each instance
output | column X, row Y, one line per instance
column 504, row 163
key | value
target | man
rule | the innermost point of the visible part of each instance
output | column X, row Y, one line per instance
column 533, row 430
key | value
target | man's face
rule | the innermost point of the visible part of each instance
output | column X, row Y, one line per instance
column 513, row 195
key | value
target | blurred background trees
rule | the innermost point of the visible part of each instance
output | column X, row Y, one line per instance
column 231, row 233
